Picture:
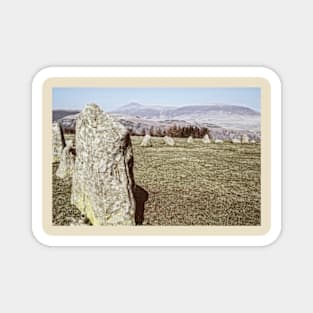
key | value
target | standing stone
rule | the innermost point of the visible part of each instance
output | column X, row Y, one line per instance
column 190, row 140
column 206, row 139
column 67, row 161
column 58, row 141
column 103, row 182
column 146, row 141
column 244, row 139
column 169, row 141
column 218, row 141
column 236, row 141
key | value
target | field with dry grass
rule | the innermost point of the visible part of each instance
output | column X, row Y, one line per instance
column 188, row 184
column 198, row 184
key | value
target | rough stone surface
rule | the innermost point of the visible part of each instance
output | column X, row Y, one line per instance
column 244, row 139
column 103, row 183
column 206, row 139
column 146, row 141
column 190, row 139
column 58, row 142
column 169, row 141
column 67, row 161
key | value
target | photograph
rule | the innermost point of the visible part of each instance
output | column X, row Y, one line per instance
column 156, row 156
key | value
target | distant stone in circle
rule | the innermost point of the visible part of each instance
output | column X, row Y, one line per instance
column 244, row 139
column 236, row 141
column 206, row 139
column 190, row 139
column 67, row 161
column 218, row 141
column 169, row 141
column 146, row 141
column 58, row 142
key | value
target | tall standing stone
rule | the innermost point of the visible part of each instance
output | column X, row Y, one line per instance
column 67, row 161
column 244, row 139
column 103, row 182
column 190, row 139
column 206, row 139
column 169, row 141
column 58, row 141
column 146, row 141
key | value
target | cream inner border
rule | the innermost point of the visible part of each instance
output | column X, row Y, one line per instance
column 156, row 82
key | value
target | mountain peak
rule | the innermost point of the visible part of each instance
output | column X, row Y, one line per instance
column 224, row 115
column 132, row 105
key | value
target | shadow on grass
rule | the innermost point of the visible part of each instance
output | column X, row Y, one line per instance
column 141, row 196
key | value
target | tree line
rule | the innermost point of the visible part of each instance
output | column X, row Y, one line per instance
column 173, row 131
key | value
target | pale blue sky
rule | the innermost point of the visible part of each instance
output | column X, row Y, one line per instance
column 112, row 98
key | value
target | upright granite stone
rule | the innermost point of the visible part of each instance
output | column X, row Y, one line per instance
column 66, row 166
column 206, row 139
column 58, row 142
column 103, row 182
column 218, row 141
column 190, row 140
column 235, row 141
column 244, row 139
column 169, row 141
column 146, row 141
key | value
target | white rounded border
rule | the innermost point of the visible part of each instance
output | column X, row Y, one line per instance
column 261, row 240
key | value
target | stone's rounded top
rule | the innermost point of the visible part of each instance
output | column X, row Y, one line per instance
column 92, row 107
column 91, row 114
column 93, row 117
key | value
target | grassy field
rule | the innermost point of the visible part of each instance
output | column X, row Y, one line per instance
column 189, row 184
column 197, row 184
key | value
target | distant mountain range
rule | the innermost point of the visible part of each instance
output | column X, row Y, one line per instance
column 163, row 112
column 223, row 120
column 222, row 115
